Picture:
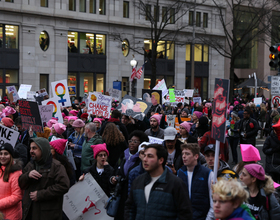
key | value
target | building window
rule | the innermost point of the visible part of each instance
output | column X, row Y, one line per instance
column 99, row 83
column 72, row 42
column 199, row 50
column 126, row 9
column 148, row 12
column 11, row 76
column 44, row 40
column 205, row 53
column 164, row 14
column 82, row 5
column 11, row 36
column 205, row 20
column 86, row 43
column 172, row 15
column 92, row 6
column 100, row 44
column 102, row 4
column 188, row 52
column 165, row 49
column 191, row 18
column 44, row 82
column 198, row 19
column 44, row 3
column 170, row 50
column 156, row 13
column 1, row 35
column 125, row 47
column 9, row 1
column 72, row 5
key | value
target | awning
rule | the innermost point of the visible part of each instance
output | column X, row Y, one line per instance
column 250, row 83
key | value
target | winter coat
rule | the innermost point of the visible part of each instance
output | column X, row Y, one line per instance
column 11, row 194
column 241, row 213
column 78, row 140
column 271, row 149
column 261, row 117
column 87, row 152
column 50, row 188
column 158, row 134
column 134, row 173
column 168, row 199
column 234, row 129
column 115, row 152
column 178, row 162
column 251, row 129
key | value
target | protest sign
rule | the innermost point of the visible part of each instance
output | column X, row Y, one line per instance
column 72, row 90
column 134, row 107
column 258, row 101
column 99, row 104
column 115, row 94
column 177, row 124
column 188, row 92
column 161, row 86
column 30, row 115
column 154, row 140
column 23, row 89
column 56, row 108
column 179, row 96
column 197, row 99
column 70, row 157
column 42, row 92
column 152, row 96
column 171, row 96
column 60, row 91
column 170, row 119
column 84, row 200
column 8, row 135
column 31, row 96
column 46, row 112
column 13, row 94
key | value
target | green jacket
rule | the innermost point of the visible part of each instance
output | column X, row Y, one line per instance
column 87, row 152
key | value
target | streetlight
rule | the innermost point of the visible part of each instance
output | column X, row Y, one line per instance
column 133, row 64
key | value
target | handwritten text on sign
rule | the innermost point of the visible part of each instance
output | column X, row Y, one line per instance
column 8, row 135
column 99, row 104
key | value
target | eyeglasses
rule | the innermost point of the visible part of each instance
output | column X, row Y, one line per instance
column 133, row 141
column 102, row 155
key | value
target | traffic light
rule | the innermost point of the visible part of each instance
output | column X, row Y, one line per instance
column 274, row 56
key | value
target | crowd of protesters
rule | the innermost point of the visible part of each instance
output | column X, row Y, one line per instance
column 172, row 180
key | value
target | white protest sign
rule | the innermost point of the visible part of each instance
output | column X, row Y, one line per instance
column 60, row 91
column 258, row 101
column 85, row 201
column 115, row 93
column 179, row 96
column 46, row 112
column 154, row 140
column 197, row 99
column 30, row 96
column 8, row 135
column 275, row 85
column 170, row 119
column 188, row 92
column 13, row 90
column 56, row 108
column 23, row 89
column 70, row 157
column 99, row 104
column 161, row 86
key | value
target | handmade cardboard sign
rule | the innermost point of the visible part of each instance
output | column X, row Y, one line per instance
column 179, row 96
column 23, row 89
column 60, row 91
column 170, row 119
column 56, row 108
column 197, row 99
column 154, row 140
column 8, row 135
column 188, row 92
column 99, row 104
column 46, row 112
column 13, row 94
column 161, row 86
column 152, row 96
column 115, row 94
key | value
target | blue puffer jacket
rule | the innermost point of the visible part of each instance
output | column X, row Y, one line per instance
column 168, row 199
column 134, row 173
column 78, row 140
column 241, row 213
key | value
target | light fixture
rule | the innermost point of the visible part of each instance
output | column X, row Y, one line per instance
column 42, row 33
column 100, row 9
column 133, row 62
column 89, row 34
column 69, row 35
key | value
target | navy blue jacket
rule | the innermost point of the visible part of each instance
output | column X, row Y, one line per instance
column 199, row 190
column 168, row 199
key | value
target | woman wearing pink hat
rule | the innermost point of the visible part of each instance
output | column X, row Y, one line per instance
column 57, row 131
column 184, row 133
column 69, row 127
column 261, row 202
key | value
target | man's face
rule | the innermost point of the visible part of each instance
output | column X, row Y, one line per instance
column 184, row 114
column 154, row 100
column 76, row 102
column 19, row 127
column 246, row 114
column 210, row 158
column 188, row 158
column 170, row 144
column 124, row 120
column 153, row 123
column 35, row 151
column 151, row 161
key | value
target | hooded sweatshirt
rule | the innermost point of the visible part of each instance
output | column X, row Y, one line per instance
column 45, row 147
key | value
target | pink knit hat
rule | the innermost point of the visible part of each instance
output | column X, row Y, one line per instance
column 236, row 103
column 98, row 119
column 73, row 112
column 98, row 148
column 249, row 153
column 78, row 123
column 59, row 128
column 157, row 117
column 8, row 111
column 72, row 118
column 51, row 122
column 256, row 170
column 186, row 125
column 198, row 114
column 276, row 185
column 59, row 145
column 63, row 115
column 208, row 104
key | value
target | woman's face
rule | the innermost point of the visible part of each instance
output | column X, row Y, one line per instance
column 184, row 114
column 182, row 131
column 222, row 208
column 101, row 158
column 77, row 129
column 53, row 130
column 65, row 121
column 53, row 151
column 5, row 157
column 133, row 144
column 246, row 178
column 71, row 121
column 194, row 117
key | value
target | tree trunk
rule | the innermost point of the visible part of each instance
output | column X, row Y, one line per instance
column 154, row 65
column 231, row 78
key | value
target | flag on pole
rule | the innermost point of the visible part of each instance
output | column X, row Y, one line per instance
column 133, row 74
column 140, row 71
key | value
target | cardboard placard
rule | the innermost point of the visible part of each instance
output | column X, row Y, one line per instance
column 133, row 107
column 258, row 101
column 42, row 92
column 61, row 93
column 115, row 94
column 197, row 99
column 188, row 92
column 8, row 135
column 170, row 119
column 152, row 96
column 154, row 140
column 179, row 96
column 13, row 94
column 99, row 104
column 85, row 201
column 56, row 108
column 177, row 125
column 72, row 90
column 161, row 86
column 31, row 96
column 23, row 89
column 30, row 115
column 46, row 112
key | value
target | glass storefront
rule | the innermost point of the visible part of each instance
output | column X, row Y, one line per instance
column 165, row 49
column 11, row 32
column 169, row 80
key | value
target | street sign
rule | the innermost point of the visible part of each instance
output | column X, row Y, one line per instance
column 275, row 99
column 275, row 85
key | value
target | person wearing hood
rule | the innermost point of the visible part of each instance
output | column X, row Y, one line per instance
column 45, row 181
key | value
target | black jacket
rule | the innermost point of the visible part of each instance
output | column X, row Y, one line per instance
column 178, row 162
column 251, row 132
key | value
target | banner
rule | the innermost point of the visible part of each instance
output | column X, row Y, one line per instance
column 23, row 89
column 85, row 201
column 56, row 108
column 161, row 86
column 13, row 94
column 133, row 107
column 179, row 96
column 30, row 115
column 46, row 112
column 219, row 111
column 197, row 99
column 99, row 104
column 170, row 119
column 188, row 92
column 115, row 94
column 152, row 96
column 8, row 135
column 60, row 91
column 154, row 140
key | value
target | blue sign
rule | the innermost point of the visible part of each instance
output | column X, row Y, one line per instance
column 117, row 85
